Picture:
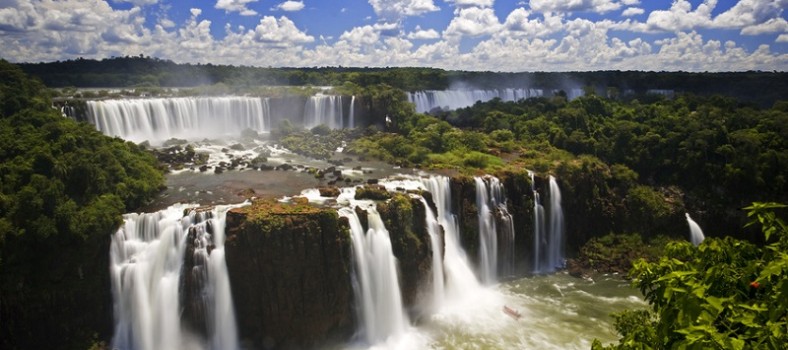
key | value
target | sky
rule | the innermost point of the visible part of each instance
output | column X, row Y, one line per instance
column 479, row 35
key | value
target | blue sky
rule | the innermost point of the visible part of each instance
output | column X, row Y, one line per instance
column 497, row 35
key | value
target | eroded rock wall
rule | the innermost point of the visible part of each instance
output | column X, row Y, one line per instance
column 290, row 268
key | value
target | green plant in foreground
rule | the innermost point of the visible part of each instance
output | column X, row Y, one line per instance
column 723, row 294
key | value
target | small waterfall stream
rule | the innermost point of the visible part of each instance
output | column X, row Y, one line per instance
column 460, row 279
column 556, row 241
column 488, row 239
column 378, row 290
column 548, row 250
column 696, row 233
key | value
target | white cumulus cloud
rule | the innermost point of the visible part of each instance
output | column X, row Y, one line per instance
column 422, row 34
column 598, row 6
column 748, row 12
column 774, row 25
column 471, row 3
column 398, row 9
column 681, row 16
column 239, row 6
column 472, row 22
column 280, row 32
column 138, row 2
column 632, row 11
column 289, row 6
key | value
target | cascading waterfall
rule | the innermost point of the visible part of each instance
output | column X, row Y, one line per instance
column 490, row 200
column 539, row 229
column 147, row 258
column 377, row 291
column 696, row 234
column 488, row 240
column 352, row 117
column 325, row 110
column 548, row 239
column 460, row 280
column 506, row 261
column 159, row 119
column 433, row 229
column 556, row 241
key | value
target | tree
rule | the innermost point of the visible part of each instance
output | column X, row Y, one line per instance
column 724, row 294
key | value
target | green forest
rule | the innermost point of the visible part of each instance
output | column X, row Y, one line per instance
column 63, row 188
column 720, row 148
column 761, row 88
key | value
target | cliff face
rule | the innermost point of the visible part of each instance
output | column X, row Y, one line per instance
column 62, row 299
column 289, row 268
column 463, row 192
column 520, row 203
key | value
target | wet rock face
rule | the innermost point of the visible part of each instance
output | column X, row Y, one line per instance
column 463, row 191
column 290, row 274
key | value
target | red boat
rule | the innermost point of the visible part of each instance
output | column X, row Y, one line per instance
column 512, row 312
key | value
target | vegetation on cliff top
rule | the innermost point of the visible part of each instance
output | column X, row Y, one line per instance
column 63, row 189
column 723, row 294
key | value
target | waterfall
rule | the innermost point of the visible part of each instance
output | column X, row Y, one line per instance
column 696, row 234
column 377, row 289
column 325, row 110
column 556, row 241
column 352, row 118
column 434, row 229
column 453, row 99
column 146, row 268
column 548, row 250
column 539, row 228
column 506, row 261
column 159, row 119
column 488, row 241
column 460, row 280
column 490, row 200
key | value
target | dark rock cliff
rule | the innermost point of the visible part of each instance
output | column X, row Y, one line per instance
column 289, row 268
column 520, row 203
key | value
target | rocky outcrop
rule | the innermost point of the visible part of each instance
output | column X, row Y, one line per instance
column 289, row 267
column 463, row 194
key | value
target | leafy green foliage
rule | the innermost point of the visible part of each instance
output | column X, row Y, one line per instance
column 63, row 189
column 724, row 294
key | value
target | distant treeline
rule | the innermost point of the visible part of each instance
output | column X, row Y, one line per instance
column 762, row 88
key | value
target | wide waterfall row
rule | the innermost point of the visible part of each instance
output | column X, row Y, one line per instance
column 328, row 110
column 428, row 100
column 159, row 119
column 548, row 251
column 161, row 303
